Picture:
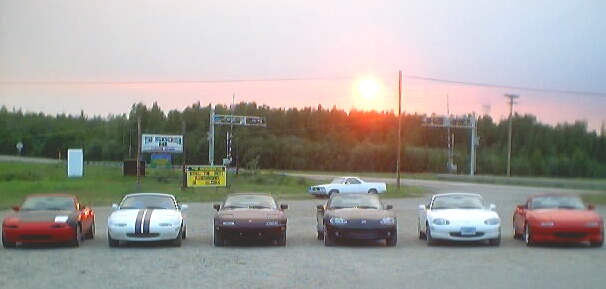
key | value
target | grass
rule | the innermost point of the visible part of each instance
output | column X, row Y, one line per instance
column 102, row 185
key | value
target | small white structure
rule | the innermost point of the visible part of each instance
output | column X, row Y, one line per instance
column 75, row 162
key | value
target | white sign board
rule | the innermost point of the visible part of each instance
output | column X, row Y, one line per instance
column 75, row 162
column 161, row 143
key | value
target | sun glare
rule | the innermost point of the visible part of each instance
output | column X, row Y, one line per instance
column 369, row 87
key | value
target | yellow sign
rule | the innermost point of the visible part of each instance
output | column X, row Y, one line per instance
column 206, row 176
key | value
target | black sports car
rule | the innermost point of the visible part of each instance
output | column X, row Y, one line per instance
column 356, row 217
column 250, row 217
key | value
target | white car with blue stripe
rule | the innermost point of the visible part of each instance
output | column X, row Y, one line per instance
column 145, row 217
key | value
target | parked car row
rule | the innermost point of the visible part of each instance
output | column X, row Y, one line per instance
column 145, row 217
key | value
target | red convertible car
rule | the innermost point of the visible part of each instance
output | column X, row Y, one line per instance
column 48, row 218
column 557, row 219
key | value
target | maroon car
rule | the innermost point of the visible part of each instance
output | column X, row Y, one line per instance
column 48, row 218
column 250, row 217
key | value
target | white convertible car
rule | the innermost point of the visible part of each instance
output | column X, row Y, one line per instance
column 146, row 217
column 459, row 217
column 347, row 185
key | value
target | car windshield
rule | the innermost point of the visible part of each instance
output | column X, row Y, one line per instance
column 355, row 201
column 58, row 203
column 148, row 202
column 557, row 202
column 250, row 202
column 458, row 202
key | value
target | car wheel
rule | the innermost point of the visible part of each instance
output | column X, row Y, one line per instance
column 392, row 240
column 495, row 242
column 516, row 235
column 91, row 233
column 77, row 237
column 430, row 239
column 218, row 240
column 179, row 240
column 184, row 235
column 332, row 192
column 320, row 235
column 528, row 235
column 281, row 240
column 8, row 244
column 112, row 242
column 372, row 191
column 422, row 235
column 328, row 240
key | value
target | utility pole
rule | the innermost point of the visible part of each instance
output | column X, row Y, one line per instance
column 511, row 102
column 399, row 129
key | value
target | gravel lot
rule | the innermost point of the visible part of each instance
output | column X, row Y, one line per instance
column 306, row 263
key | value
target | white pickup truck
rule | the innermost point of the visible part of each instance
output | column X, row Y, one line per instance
column 343, row 185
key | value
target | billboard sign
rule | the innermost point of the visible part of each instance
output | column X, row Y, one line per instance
column 206, row 176
column 160, row 143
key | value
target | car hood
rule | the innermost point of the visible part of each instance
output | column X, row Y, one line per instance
column 131, row 214
column 250, row 214
column 27, row 216
column 353, row 213
column 455, row 215
column 563, row 215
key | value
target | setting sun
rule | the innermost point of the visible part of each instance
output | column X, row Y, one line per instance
column 369, row 87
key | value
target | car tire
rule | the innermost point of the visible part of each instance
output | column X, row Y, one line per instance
column 8, row 244
column 430, row 240
column 218, row 240
column 422, row 235
column 281, row 242
column 494, row 242
column 184, row 234
column 75, row 242
column 112, row 242
column 91, row 233
column 373, row 191
column 320, row 235
column 328, row 240
column 332, row 192
column 528, row 235
column 179, row 240
column 392, row 240
column 516, row 235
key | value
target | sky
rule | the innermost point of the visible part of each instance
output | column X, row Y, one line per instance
column 457, row 57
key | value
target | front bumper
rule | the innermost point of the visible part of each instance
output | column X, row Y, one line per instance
column 567, row 234
column 253, row 232
column 344, row 232
column 457, row 232
column 39, row 233
column 155, row 234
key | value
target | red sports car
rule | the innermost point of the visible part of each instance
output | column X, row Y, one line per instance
column 557, row 219
column 48, row 218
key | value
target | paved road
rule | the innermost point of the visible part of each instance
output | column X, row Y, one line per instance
column 306, row 263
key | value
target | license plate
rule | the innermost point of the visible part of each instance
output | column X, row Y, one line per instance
column 466, row 231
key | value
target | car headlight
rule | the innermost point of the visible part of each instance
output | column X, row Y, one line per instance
column 492, row 221
column 337, row 221
column 592, row 224
column 387, row 221
column 440, row 221
column 546, row 224
column 272, row 223
column 228, row 223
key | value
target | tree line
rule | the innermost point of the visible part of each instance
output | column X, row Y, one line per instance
column 315, row 139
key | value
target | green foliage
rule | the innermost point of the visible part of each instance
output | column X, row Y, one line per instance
column 314, row 139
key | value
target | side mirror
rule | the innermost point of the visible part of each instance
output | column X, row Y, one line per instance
column 521, row 207
column 320, row 207
column 389, row 207
column 184, row 207
column 492, row 207
column 423, row 207
column 591, row 207
column 217, row 207
column 115, row 206
column 15, row 208
column 283, row 206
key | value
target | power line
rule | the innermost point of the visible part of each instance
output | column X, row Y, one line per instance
column 288, row 79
